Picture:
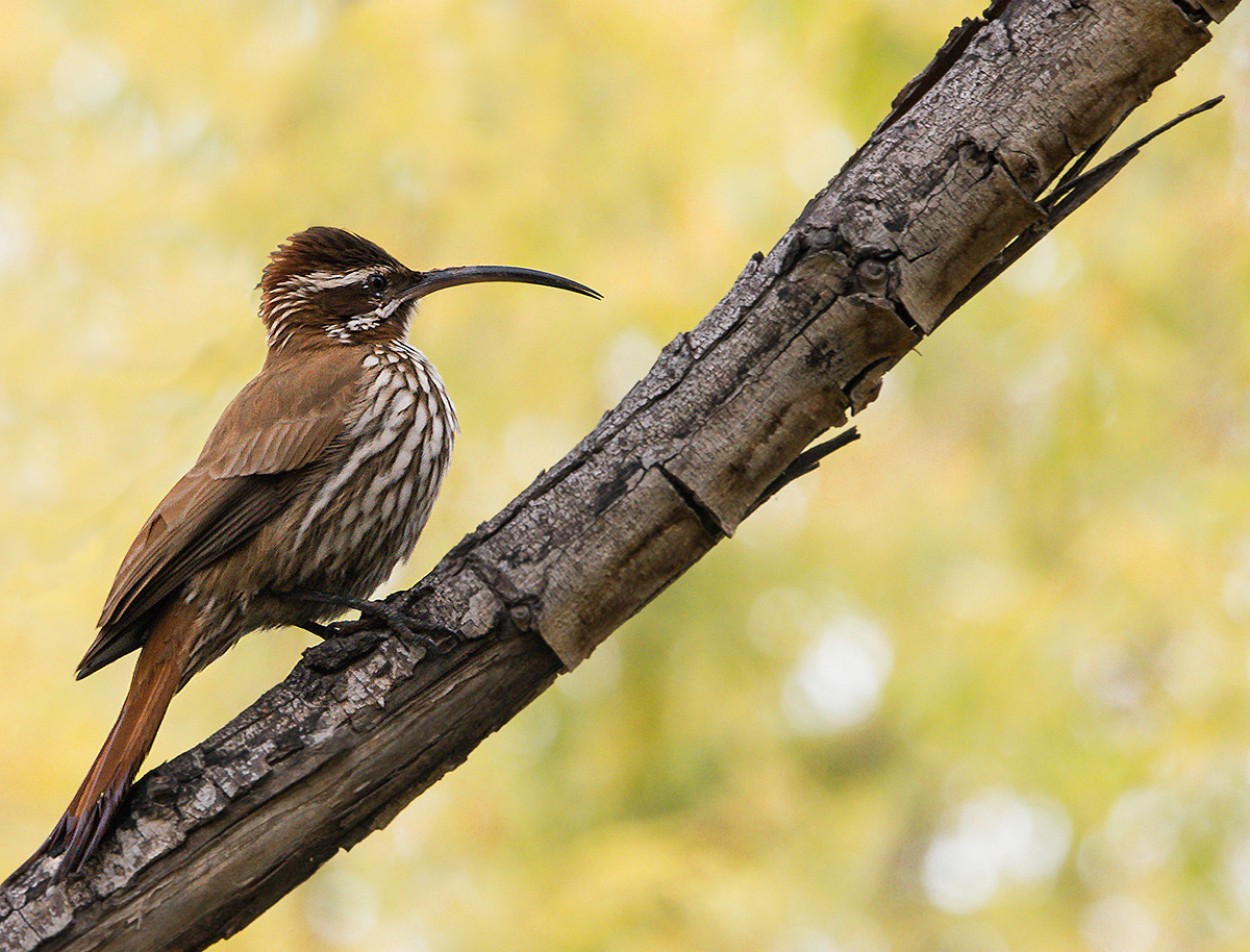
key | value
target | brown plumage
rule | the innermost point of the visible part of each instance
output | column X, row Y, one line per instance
column 317, row 479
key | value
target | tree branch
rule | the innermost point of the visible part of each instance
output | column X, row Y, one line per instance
column 803, row 338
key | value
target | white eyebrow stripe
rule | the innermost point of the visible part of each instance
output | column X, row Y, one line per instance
column 323, row 280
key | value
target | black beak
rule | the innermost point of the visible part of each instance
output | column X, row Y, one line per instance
column 427, row 282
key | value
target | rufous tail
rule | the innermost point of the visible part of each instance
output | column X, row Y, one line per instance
column 157, row 677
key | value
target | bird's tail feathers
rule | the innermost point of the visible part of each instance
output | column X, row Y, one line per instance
column 157, row 677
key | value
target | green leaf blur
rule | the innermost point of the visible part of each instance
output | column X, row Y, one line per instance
column 979, row 684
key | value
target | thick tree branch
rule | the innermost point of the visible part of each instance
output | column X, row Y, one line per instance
column 803, row 338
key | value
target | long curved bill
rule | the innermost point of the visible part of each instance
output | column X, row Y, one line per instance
column 427, row 282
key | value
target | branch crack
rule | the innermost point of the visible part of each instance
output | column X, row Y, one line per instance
column 706, row 515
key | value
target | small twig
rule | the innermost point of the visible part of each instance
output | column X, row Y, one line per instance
column 1072, row 178
column 1073, row 190
column 806, row 462
column 1081, row 162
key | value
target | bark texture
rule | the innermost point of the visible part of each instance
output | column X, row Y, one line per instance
column 361, row 726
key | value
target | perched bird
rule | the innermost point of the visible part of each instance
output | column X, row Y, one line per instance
column 313, row 486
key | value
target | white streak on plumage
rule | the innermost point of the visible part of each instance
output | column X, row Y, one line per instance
column 406, row 419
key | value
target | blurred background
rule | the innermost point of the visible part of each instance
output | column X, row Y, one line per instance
column 979, row 684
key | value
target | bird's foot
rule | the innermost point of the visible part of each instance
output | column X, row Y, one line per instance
column 326, row 632
column 436, row 638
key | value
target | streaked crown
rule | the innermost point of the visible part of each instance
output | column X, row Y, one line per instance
column 327, row 284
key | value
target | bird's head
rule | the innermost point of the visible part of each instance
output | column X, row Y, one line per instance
column 329, row 286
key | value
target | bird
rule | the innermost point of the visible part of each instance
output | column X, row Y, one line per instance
column 313, row 486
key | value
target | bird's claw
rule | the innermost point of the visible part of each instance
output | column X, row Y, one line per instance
column 437, row 638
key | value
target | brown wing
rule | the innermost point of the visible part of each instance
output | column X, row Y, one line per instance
column 278, row 425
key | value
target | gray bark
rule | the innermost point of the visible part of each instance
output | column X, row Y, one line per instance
column 802, row 339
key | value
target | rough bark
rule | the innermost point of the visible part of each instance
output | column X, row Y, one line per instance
column 953, row 175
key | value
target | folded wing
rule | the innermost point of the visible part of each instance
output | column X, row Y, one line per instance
column 276, row 430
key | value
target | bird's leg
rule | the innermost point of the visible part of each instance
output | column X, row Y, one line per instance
column 438, row 638
column 376, row 611
column 325, row 632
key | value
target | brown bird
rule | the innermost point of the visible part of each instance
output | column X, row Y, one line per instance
column 313, row 486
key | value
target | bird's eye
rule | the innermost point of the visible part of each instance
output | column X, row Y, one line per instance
column 376, row 283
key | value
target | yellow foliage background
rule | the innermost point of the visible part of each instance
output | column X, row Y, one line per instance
column 979, row 684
